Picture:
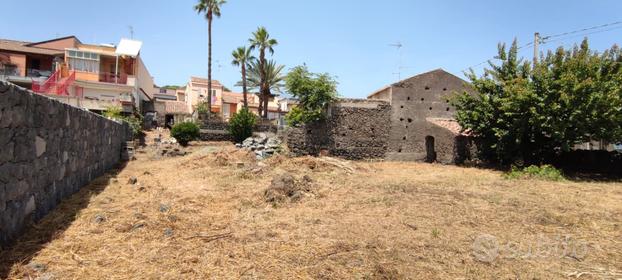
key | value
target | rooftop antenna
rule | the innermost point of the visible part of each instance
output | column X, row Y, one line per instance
column 398, row 46
column 131, row 28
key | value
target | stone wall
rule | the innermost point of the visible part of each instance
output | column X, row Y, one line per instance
column 415, row 101
column 353, row 129
column 219, row 131
column 49, row 150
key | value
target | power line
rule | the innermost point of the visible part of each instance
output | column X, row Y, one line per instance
column 489, row 60
column 580, row 35
column 562, row 37
column 582, row 30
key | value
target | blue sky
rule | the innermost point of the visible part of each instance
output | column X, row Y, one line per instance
column 346, row 38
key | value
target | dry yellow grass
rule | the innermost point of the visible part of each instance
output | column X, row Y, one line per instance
column 204, row 216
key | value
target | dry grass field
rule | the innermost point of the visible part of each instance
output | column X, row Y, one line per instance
column 219, row 214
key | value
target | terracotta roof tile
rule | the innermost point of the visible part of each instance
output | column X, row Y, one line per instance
column 450, row 124
column 177, row 107
column 19, row 46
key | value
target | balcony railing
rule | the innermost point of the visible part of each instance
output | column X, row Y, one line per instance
column 36, row 73
column 9, row 71
column 120, row 78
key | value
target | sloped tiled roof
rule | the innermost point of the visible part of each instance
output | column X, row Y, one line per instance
column 20, row 46
column 176, row 107
column 215, row 83
column 450, row 124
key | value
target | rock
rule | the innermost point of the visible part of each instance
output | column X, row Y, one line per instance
column 46, row 276
column 40, row 146
column 238, row 145
column 164, row 208
column 168, row 232
column 99, row 219
column 239, row 164
column 132, row 180
column 138, row 225
column 37, row 267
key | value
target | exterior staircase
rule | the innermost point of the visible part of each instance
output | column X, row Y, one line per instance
column 55, row 84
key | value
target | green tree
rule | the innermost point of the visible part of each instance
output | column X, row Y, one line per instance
column 261, row 40
column 241, row 57
column 529, row 114
column 314, row 92
column 210, row 8
column 268, row 79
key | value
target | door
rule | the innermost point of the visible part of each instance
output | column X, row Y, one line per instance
column 429, row 149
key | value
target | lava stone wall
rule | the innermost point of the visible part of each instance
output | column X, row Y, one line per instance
column 354, row 129
column 415, row 99
column 219, row 131
column 48, row 151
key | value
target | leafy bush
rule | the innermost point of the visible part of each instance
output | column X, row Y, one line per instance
column 185, row 132
column 241, row 125
column 202, row 108
column 135, row 122
column 314, row 92
column 544, row 172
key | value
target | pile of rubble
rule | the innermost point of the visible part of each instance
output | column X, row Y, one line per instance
column 263, row 145
column 167, row 147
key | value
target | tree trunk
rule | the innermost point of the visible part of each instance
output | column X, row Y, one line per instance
column 260, row 108
column 262, row 89
column 209, row 64
column 244, row 84
column 265, row 105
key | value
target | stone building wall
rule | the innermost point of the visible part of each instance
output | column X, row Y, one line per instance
column 353, row 129
column 414, row 101
column 49, row 150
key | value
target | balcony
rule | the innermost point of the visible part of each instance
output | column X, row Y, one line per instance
column 111, row 78
column 37, row 73
column 9, row 71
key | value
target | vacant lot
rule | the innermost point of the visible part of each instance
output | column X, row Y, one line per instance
column 218, row 214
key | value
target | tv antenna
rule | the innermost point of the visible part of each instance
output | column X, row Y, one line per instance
column 131, row 28
column 398, row 45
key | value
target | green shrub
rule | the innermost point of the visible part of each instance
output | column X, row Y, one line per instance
column 135, row 122
column 544, row 172
column 202, row 108
column 241, row 125
column 185, row 132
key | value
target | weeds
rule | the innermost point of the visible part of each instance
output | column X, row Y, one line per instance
column 544, row 172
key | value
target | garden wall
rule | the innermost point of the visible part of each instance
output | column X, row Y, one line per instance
column 49, row 150
column 219, row 131
column 354, row 129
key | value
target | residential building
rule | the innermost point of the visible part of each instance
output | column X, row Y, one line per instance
column 90, row 76
column 225, row 103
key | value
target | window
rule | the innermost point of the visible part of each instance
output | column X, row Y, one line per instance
column 83, row 61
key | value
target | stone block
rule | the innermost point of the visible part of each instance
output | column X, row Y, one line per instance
column 40, row 145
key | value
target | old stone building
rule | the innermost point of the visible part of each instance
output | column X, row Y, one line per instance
column 422, row 125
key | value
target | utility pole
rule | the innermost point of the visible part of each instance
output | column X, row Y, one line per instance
column 536, row 43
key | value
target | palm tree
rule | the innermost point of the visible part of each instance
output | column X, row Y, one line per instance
column 241, row 57
column 268, row 77
column 261, row 40
column 210, row 8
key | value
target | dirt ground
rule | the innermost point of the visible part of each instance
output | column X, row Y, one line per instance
column 217, row 213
